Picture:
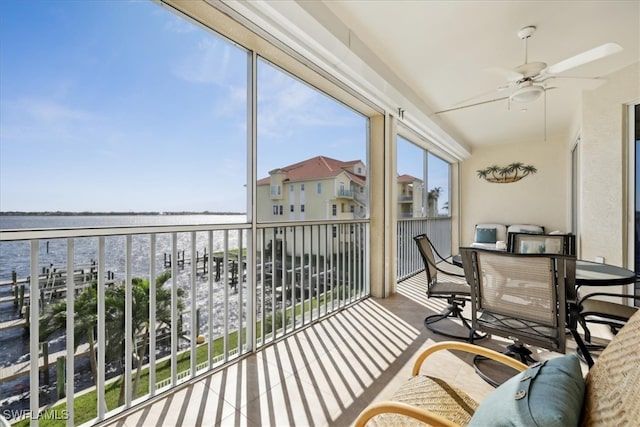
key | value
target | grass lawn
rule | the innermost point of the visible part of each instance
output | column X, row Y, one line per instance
column 85, row 406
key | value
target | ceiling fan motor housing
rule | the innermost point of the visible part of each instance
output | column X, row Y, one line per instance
column 530, row 70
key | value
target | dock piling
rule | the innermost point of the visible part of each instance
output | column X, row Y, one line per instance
column 61, row 376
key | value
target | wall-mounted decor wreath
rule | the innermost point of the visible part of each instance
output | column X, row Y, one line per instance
column 511, row 173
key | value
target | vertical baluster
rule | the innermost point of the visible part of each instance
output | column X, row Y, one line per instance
column 102, row 335
column 152, row 314
column 70, row 333
column 210, row 301
column 261, row 248
column 129, row 341
column 295, row 286
column 194, row 304
column 174, row 309
column 34, row 333
column 273, row 285
column 241, row 305
column 225, row 286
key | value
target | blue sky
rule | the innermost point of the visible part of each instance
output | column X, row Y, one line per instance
column 123, row 106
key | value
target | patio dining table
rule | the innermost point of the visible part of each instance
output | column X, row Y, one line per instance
column 589, row 273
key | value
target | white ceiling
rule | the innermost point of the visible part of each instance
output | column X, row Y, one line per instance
column 444, row 52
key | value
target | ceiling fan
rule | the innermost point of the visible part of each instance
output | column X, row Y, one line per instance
column 527, row 81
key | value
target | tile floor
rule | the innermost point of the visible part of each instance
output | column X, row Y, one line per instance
column 322, row 376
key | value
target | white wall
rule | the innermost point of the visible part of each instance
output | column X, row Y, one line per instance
column 541, row 198
column 603, row 153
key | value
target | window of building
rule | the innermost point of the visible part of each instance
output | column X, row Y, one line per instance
column 281, row 210
column 291, row 208
column 301, row 187
column 334, row 210
column 275, row 209
column 301, row 208
column 423, row 182
column 352, row 208
column 291, row 186
column 319, row 188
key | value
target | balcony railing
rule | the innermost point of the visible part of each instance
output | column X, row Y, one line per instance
column 133, row 311
column 409, row 260
column 346, row 194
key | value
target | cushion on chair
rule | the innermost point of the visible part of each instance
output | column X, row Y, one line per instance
column 486, row 235
column 434, row 395
column 501, row 231
column 550, row 393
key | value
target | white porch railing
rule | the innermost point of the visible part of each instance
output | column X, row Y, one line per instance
column 408, row 258
column 229, row 292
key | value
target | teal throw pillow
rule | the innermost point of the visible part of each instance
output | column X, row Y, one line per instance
column 486, row 235
column 549, row 394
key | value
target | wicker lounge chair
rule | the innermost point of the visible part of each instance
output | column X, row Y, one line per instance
column 608, row 396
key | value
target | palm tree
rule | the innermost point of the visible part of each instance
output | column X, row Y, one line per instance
column 432, row 201
column 514, row 168
column 493, row 170
column 434, row 193
column 85, row 307
column 86, row 320
column 141, row 327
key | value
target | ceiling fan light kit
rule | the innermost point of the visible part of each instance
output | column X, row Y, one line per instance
column 527, row 93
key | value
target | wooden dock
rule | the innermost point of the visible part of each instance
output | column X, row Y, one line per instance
column 202, row 262
column 52, row 284
column 15, row 323
column 17, row 370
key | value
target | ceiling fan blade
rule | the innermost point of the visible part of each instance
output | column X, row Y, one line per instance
column 472, row 105
column 477, row 98
column 544, row 77
column 509, row 74
column 584, row 58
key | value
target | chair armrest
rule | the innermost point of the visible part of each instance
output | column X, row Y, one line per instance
column 468, row 348
column 422, row 415
column 607, row 294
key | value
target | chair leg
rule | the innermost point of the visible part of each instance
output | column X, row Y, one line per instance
column 453, row 310
column 583, row 350
column 517, row 351
column 481, row 374
column 520, row 352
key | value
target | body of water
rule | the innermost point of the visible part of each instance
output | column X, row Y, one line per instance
column 15, row 256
